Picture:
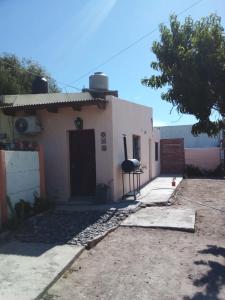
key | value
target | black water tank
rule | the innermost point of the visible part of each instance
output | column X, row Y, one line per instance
column 39, row 85
column 130, row 165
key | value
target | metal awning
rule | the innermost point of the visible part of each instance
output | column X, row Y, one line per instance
column 32, row 102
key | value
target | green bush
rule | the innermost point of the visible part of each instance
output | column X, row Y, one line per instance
column 219, row 171
column 40, row 205
column 23, row 209
column 193, row 171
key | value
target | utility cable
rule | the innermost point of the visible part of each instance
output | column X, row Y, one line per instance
column 35, row 74
column 132, row 44
column 112, row 56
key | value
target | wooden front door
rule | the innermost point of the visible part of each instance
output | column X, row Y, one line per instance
column 82, row 162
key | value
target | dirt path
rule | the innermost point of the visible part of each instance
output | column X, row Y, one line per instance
column 139, row 263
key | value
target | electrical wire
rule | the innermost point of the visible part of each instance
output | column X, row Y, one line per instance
column 112, row 56
column 35, row 74
column 131, row 45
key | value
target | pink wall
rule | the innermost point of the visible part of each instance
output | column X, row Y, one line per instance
column 119, row 117
column 132, row 119
column 204, row 158
column 155, row 165
column 55, row 138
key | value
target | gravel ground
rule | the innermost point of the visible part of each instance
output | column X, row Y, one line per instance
column 156, row 264
column 70, row 227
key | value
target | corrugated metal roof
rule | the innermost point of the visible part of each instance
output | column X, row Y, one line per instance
column 44, row 99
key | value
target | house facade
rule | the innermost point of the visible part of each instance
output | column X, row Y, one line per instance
column 201, row 151
column 82, row 138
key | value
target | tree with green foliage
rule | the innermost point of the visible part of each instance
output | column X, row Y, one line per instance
column 16, row 75
column 191, row 64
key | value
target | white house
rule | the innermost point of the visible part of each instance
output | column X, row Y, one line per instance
column 82, row 137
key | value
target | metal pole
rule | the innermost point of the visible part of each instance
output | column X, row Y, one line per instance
column 125, row 145
column 134, row 188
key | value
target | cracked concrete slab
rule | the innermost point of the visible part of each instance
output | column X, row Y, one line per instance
column 162, row 217
column 159, row 191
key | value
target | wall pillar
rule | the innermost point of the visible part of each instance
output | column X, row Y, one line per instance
column 42, row 172
column 3, row 193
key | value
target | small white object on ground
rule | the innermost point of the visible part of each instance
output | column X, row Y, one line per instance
column 159, row 190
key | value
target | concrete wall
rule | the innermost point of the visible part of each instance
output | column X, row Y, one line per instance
column 131, row 119
column 119, row 117
column 172, row 156
column 207, row 158
column 190, row 141
column 22, row 175
column 155, row 164
column 55, row 141
column 3, row 194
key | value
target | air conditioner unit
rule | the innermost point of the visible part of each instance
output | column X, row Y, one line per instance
column 27, row 125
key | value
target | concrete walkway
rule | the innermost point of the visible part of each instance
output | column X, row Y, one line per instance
column 162, row 217
column 26, row 269
column 159, row 191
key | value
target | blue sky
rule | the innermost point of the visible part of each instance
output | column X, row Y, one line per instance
column 72, row 37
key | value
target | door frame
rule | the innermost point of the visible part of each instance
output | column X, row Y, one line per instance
column 150, row 158
column 69, row 161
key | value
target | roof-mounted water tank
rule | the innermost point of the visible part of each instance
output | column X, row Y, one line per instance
column 39, row 85
column 99, row 82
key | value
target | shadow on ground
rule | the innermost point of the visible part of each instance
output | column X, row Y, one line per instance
column 15, row 247
column 69, row 225
column 214, row 279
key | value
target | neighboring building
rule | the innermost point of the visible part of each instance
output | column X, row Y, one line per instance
column 190, row 141
column 82, row 137
column 202, row 151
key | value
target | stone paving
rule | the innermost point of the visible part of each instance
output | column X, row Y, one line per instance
column 78, row 224
column 69, row 226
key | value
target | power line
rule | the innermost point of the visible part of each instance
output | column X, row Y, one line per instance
column 35, row 74
column 131, row 45
column 111, row 57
